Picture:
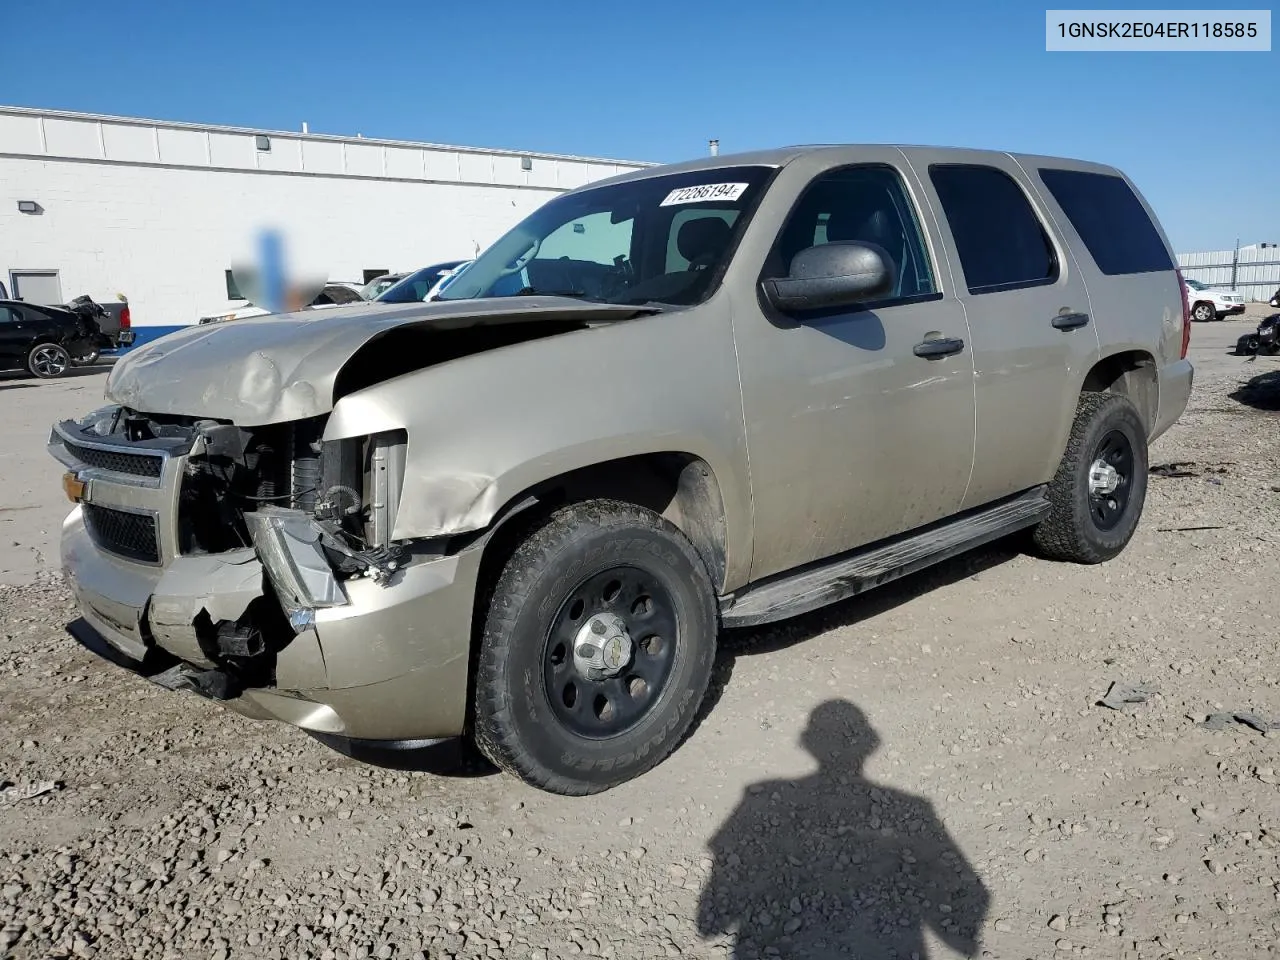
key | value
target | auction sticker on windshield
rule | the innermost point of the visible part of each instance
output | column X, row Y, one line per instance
column 703, row 192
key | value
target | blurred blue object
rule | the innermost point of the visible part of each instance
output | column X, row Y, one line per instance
column 271, row 255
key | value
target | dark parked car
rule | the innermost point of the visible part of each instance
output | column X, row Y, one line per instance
column 1275, row 300
column 45, row 341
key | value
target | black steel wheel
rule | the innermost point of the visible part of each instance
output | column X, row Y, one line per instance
column 1098, row 493
column 596, row 649
column 609, row 652
column 1110, row 479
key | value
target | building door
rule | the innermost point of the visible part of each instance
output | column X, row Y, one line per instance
column 36, row 286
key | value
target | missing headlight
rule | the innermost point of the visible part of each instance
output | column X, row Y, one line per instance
column 384, row 478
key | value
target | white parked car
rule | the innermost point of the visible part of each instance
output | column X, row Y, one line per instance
column 1209, row 304
column 334, row 294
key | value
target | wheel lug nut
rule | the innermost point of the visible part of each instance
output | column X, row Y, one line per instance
column 586, row 651
column 597, row 627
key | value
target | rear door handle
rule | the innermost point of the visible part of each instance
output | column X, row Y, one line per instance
column 941, row 347
column 1069, row 321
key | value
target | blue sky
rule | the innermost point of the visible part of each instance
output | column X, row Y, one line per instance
column 653, row 80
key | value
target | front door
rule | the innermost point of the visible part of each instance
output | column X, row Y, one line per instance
column 37, row 286
column 852, row 434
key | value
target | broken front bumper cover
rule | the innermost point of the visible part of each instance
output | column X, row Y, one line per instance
column 389, row 663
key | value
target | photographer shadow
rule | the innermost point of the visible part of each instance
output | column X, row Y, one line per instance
column 833, row 866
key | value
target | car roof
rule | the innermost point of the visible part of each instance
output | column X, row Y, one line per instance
column 36, row 306
column 781, row 156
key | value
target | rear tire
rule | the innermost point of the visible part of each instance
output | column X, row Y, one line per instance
column 88, row 359
column 539, row 712
column 48, row 360
column 1101, row 484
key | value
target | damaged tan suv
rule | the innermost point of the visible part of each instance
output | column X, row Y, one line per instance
column 717, row 393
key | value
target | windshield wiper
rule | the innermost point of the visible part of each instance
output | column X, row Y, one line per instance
column 532, row 292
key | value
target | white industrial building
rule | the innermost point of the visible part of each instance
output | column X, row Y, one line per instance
column 161, row 211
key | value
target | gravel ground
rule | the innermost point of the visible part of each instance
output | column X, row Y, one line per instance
column 929, row 772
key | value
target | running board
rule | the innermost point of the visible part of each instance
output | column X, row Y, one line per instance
column 850, row 574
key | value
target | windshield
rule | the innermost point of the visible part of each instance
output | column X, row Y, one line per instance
column 1195, row 285
column 376, row 286
column 658, row 239
column 415, row 287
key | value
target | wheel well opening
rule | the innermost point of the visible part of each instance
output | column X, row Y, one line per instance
column 678, row 486
column 1131, row 374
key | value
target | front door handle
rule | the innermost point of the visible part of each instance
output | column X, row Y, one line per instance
column 1069, row 321
column 941, row 347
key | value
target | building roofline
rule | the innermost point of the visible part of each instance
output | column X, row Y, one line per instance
column 298, row 135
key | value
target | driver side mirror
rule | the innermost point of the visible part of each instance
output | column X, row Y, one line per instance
column 832, row 275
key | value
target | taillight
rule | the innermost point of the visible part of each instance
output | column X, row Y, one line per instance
column 124, row 318
column 1186, row 315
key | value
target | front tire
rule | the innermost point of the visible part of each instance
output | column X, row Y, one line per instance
column 596, row 651
column 1101, row 484
column 1203, row 312
column 48, row 360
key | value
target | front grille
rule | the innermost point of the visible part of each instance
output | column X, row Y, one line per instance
column 134, row 464
column 129, row 535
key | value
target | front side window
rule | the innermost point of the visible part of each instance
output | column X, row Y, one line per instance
column 1000, row 240
column 663, row 239
column 7, row 315
column 865, row 204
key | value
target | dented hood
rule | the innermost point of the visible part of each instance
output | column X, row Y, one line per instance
column 282, row 367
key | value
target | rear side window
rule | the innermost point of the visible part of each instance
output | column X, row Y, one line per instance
column 1000, row 240
column 1110, row 220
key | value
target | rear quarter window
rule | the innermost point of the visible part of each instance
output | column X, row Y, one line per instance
column 1110, row 219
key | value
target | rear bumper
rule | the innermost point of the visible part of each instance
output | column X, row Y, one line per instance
column 1176, row 381
column 391, row 664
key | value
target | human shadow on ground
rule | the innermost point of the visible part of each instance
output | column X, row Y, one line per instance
column 833, row 866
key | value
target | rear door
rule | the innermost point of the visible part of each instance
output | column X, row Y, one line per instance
column 1125, row 258
column 1028, row 312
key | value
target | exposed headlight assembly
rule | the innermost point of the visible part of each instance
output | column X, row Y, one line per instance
column 288, row 544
